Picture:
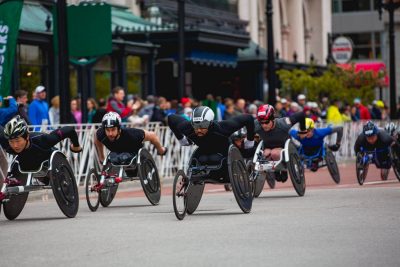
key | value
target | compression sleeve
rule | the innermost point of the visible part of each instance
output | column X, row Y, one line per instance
column 58, row 135
column 175, row 123
column 230, row 126
column 299, row 117
column 339, row 131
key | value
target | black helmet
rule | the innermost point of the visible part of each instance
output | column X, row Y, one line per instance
column 239, row 134
column 111, row 119
column 16, row 127
column 391, row 128
column 370, row 129
column 202, row 117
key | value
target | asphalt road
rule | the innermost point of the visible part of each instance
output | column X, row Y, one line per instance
column 345, row 225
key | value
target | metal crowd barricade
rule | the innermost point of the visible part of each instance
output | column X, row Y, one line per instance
column 177, row 156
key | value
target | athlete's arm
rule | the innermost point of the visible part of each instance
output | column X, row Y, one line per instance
column 56, row 136
column 180, row 127
column 230, row 126
column 153, row 138
column 298, row 117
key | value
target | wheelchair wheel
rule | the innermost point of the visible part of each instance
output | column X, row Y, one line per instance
column 64, row 186
column 361, row 169
column 270, row 178
column 92, row 195
column 296, row 171
column 179, row 196
column 239, row 179
column 194, row 194
column 384, row 174
column 396, row 164
column 149, row 178
column 258, row 183
column 12, row 208
column 107, row 194
column 332, row 166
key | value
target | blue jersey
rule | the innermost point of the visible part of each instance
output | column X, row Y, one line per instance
column 317, row 140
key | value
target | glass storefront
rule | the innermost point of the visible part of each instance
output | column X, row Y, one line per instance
column 102, row 76
column 366, row 45
column 134, row 75
column 339, row 6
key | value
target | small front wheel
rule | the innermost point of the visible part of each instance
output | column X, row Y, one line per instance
column 92, row 186
column 332, row 166
column 179, row 194
column 361, row 168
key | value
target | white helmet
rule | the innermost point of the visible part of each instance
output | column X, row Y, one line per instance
column 16, row 127
column 202, row 117
column 111, row 119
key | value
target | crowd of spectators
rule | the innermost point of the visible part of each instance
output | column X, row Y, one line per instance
column 138, row 111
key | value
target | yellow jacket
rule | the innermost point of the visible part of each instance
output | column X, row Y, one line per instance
column 333, row 116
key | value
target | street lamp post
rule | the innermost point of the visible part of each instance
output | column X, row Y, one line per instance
column 181, row 48
column 391, row 6
column 271, row 57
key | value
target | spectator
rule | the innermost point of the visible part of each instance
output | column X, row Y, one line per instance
column 252, row 110
column 148, row 109
column 361, row 110
column 187, row 113
column 8, row 109
column 210, row 102
column 135, row 119
column 159, row 114
column 230, row 111
column 240, row 106
column 294, row 108
column 21, row 96
column 377, row 106
column 76, row 111
column 279, row 111
column 301, row 100
column 39, row 109
column 115, row 104
column 91, row 108
column 333, row 114
column 100, row 112
column 54, row 111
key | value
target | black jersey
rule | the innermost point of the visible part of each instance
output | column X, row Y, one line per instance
column 384, row 141
column 41, row 145
column 277, row 136
column 130, row 140
column 217, row 139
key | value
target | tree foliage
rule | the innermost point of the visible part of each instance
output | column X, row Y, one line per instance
column 335, row 83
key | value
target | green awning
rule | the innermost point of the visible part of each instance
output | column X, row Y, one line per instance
column 33, row 17
column 125, row 19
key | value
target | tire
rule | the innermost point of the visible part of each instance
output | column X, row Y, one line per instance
column 396, row 164
column 14, row 206
column 107, row 194
column 296, row 171
column 332, row 166
column 91, row 189
column 258, row 185
column 194, row 195
column 228, row 187
column 179, row 196
column 361, row 169
column 270, row 178
column 239, row 179
column 64, row 186
column 384, row 174
column 149, row 177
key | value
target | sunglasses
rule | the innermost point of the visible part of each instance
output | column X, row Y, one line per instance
column 201, row 125
column 265, row 122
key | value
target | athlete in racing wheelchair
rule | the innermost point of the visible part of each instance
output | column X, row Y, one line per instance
column 276, row 154
column 127, row 161
column 314, row 152
column 37, row 165
column 214, row 161
column 376, row 146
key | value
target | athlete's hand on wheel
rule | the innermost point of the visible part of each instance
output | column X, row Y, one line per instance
column 184, row 141
column 334, row 147
column 75, row 149
column 163, row 151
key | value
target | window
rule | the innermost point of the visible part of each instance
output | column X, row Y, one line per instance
column 352, row 5
column 33, row 67
column 226, row 5
column 102, row 76
column 366, row 45
column 134, row 75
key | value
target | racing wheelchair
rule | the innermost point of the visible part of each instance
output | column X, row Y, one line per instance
column 54, row 173
column 321, row 158
column 101, row 188
column 265, row 169
column 364, row 158
column 188, row 187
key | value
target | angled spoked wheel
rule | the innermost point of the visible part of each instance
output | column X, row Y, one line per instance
column 361, row 168
column 332, row 166
column 179, row 196
column 396, row 163
column 384, row 174
column 296, row 171
column 64, row 185
column 92, row 190
column 149, row 178
column 14, row 206
column 259, row 182
column 194, row 194
column 107, row 194
column 239, row 179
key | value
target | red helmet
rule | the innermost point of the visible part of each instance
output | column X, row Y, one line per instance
column 265, row 113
